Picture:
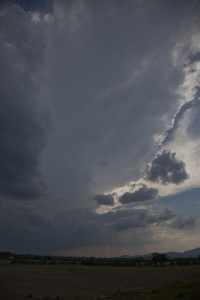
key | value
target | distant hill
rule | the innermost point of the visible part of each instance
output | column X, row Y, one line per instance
column 193, row 253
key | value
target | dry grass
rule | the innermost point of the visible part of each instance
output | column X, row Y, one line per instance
column 18, row 282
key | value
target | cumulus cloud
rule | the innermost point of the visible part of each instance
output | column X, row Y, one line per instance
column 23, row 121
column 183, row 223
column 166, row 168
column 142, row 194
column 103, row 199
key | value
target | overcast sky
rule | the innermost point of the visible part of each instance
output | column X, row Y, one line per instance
column 99, row 126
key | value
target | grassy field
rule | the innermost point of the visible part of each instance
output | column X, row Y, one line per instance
column 184, row 289
column 22, row 282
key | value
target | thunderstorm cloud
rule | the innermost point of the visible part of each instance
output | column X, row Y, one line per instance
column 23, row 123
column 85, row 105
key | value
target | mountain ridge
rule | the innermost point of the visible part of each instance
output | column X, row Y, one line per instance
column 192, row 253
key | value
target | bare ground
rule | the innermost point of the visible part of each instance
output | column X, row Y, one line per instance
column 18, row 282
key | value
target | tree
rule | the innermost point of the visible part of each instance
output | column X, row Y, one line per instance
column 159, row 258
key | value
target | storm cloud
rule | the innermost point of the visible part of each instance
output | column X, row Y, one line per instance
column 142, row 194
column 166, row 168
column 83, row 108
column 103, row 199
column 23, row 122
column 44, row 229
column 144, row 218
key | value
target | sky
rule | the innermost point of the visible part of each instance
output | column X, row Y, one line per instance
column 99, row 126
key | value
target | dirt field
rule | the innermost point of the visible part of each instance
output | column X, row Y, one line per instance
column 88, row 282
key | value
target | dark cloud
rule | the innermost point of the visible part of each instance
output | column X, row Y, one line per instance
column 95, row 110
column 142, row 194
column 128, row 223
column 102, row 199
column 183, row 223
column 46, row 229
column 143, row 218
column 193, row 127
column 179, row 115
column 166, row 168
column 194, row 57
column 160, row 217
column 23, row 121
column 95, row 77
column 31, row 5
column 35, row 5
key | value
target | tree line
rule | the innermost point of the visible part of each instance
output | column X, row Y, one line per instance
column 156, row 259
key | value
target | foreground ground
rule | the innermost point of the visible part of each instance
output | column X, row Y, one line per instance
column 181, row 289
column 90, row 282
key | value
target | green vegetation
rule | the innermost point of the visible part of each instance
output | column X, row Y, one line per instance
column 180, row 290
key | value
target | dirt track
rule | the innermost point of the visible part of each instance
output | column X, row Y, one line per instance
column 67, row 282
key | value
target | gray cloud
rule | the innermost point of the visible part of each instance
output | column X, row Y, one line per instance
column 105, row 88
column 23, row 121
column 166, row 168
column 193, row 128
column 183, row 223
column 50, row 227
column 128, row 223
column 102, row 199
column 143, row 218
column 95, row 110
column 186, row 106
column 36, row 5
column 142, row 194
column 159, row 217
